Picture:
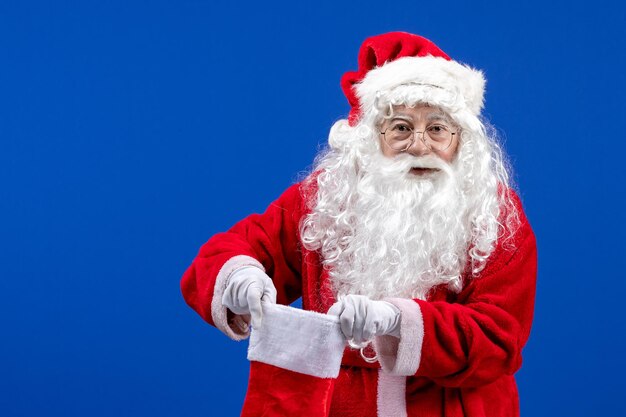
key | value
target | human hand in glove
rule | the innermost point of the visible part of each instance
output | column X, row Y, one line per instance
column 246, row 288
column 362, row 319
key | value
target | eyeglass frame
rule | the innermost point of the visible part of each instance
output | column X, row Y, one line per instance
column 422, row 139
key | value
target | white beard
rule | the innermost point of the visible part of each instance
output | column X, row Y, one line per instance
column 390, row 233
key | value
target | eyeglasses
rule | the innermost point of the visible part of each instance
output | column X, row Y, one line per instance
column 399, row 136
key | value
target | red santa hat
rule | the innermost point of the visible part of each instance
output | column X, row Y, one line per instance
column 400, row 64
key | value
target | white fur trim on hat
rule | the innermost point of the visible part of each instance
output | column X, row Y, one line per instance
column 459, row 83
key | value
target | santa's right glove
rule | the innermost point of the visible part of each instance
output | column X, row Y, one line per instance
column 246, row 288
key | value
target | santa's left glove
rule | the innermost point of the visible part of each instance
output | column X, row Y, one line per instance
column 363, row 319
column 245, row 290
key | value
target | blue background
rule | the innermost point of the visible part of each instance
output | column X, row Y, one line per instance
column 130, row 132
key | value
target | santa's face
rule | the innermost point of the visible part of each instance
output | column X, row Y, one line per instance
column 424, row 121
column 391, row 223
column 396, row 222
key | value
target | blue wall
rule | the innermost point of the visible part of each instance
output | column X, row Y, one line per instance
column 130, row 132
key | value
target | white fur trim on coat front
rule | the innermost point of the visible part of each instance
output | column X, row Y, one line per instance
column 401, row 356
column 463, row 87
column 298, row 340
column 219, row 313
column 391, row 395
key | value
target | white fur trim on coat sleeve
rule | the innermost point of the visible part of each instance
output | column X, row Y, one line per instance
column 401, row 356
column 298, row 340
column 218, row 311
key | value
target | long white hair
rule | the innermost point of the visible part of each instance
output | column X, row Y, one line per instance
column 382, row 233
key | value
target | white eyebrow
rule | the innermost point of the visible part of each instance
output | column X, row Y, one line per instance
column 401, row 116
column 432, row 116
column 439, row 116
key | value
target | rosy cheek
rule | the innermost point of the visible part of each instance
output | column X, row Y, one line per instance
column 449, row 156
column 386, row 151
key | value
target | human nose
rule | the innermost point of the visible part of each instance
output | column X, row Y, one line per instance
column 418, row 147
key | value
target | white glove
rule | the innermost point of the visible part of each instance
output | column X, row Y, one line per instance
column 246, row 288
column 362, row 319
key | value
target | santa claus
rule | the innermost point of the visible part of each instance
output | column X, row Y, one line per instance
column 414, row 260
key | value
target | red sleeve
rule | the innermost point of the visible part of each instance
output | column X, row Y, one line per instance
column 479, row 337
column 268, row 241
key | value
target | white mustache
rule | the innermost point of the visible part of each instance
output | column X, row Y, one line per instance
column 428, row 162
column 397, row 167
column 426, row 165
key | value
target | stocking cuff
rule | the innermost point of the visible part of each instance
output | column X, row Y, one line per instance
column 298, row 340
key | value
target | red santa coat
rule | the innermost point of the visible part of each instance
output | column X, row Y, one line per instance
column 456, row 354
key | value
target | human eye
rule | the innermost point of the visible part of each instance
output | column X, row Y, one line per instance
column 400, row 127
column 438, row 129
